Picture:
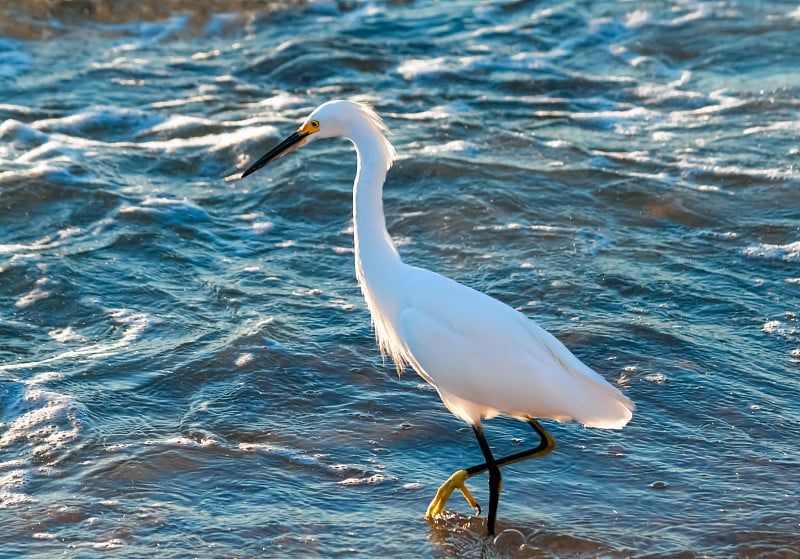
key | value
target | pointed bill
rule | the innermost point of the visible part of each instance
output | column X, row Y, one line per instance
column 290, row 144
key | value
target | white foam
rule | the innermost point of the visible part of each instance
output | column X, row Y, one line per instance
column 261, row 226
column 454, row 146
column 375, row 478
column 10, row 108
column 133, row 326
column 69, row 236
column 67, row 334
column 98, row 116
column 659, row 92
column 65, row 136
column 629, row 113
column 435, row 113
column 172, row 103
column 113, row 543
column 709, row 165
column 662, row 136
column 13, row 131
column 244, row 359
column 313, row 292
column 35, row 419
column 779, row 328
column 42, row 157
column 558, row 144
column 202, row 442
column 167, row 208
column 179, row 122
column 789, row 252
column 11, row 484
column 781, row 125
column 214, row 142
column 657, row 378
column 35, row 295
column 343, row 305
column 35, row 423
column 291, row 454
column 416, row 67
column 281, row 101
column 205, row 55
column 636, row 18
column 701, row 12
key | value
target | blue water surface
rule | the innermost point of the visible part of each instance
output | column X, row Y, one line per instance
column 187, row 367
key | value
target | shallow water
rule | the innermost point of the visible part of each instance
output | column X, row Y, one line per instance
column 187, row 366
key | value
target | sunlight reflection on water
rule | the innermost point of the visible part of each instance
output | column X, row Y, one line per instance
column 186, row 362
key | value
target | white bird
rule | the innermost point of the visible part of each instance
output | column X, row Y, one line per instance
column 483, row 357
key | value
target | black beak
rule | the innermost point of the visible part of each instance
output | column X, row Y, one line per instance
column 288, row 145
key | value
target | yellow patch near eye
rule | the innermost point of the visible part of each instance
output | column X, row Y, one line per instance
column 309, row 127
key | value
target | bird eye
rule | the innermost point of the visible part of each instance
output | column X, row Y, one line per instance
column 314, row 123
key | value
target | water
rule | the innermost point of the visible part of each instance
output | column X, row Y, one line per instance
column 186, row 364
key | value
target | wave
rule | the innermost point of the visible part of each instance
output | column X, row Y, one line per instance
column 36, row 425
column 789, row 252
column 133, row 325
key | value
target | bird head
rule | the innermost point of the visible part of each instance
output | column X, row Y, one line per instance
column 326, row 121
column 336, row 118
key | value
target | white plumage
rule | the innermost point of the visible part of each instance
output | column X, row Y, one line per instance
column 483, row 357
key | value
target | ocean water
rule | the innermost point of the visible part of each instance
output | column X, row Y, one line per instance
column 187, row 368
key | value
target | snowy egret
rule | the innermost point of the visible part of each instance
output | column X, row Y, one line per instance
column 483, row 357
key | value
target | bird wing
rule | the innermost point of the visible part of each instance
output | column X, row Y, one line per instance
column 486, row 358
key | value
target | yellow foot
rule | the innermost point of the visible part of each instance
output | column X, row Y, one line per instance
column 456, row 481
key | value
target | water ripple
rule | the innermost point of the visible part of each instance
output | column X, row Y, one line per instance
column 186, row 362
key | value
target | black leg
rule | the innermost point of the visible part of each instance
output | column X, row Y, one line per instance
column 546, row 445
column 494, row 477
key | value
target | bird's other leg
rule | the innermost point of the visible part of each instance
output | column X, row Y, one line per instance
column 546, row 445
column 495, row 477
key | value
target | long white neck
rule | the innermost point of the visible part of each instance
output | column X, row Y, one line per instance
column 375, row 250
column 376, row 256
